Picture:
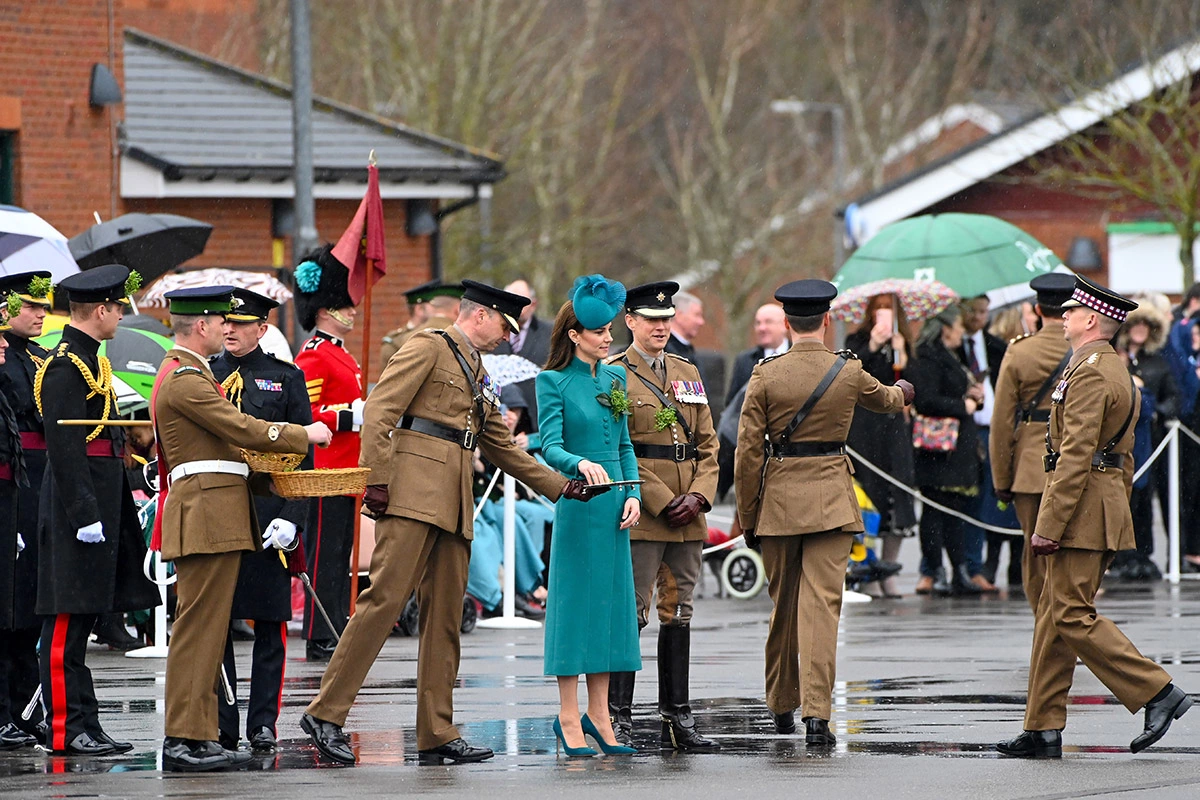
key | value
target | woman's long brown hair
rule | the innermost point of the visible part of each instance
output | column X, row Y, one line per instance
column 562, row 349
column 893, row 302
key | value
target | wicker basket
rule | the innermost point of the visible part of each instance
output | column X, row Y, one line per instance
column 321, row 482
column 272, row 462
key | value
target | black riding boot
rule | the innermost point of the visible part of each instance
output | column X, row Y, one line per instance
column 620, row 705
column 678, row 725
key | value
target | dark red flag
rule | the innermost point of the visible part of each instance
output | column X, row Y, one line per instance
column 363, row 240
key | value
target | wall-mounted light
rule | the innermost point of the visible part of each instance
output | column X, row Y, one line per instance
column 104, row 89
column 1084, row 254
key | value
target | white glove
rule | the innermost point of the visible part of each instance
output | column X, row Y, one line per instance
column 280, row 534
column 20, row 543
column 356, row 412
column 92, row 534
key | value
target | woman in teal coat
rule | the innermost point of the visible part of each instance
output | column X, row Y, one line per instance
column 591, row 612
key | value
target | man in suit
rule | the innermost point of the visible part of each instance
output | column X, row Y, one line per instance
column 770, row 339
column 1084, row 519
column 796, row 497
column 676, row 448
column 90, row 544
column 433, row 405
column 206, row 520
column 533, row 340
column 686, row 325
column 1031, row 368
column 270, row 389
column 432, row 305
column 982, row 353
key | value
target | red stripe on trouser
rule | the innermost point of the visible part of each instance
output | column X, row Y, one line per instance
column 316, row 563
column 282, row 669
column 58, row 683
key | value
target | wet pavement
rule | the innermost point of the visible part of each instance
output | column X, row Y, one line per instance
column 926, row 687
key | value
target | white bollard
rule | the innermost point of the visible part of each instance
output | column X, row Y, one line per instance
column 510, row 620
column 159, row 648
column 1173, row 512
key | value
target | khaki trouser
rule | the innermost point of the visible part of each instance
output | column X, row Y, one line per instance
column 674, row 567
column 408, row 554
column 204, row 587
column 1033, row 568
column 806, row 574
column 1067, row 626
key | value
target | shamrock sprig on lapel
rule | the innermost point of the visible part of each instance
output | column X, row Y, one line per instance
column 616, row 401
column 664, row 418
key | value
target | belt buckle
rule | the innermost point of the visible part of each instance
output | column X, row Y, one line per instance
column 468, row 440
column 680, row 452
column 1102, row 466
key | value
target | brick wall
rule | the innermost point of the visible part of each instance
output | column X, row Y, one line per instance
column 227, row 30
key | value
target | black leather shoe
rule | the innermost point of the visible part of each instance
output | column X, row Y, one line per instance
column 318, row 650
column 1033, row 744
column 227, row 741
column 12, row 737
column 524, row 608
column 85, row 745
column 1160, row 713
column 262, row 740
column 817, row 733
column 456, row 752
column 329, row 739
column 110, row 630
column 189, row 755
column 785, row 722
column 118, row 747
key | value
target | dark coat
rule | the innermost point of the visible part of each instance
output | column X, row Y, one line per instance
column 941, row 380
column 18, row 570
column 536, row 346
column 272, row 390
column 743, row 365
column 75, row 577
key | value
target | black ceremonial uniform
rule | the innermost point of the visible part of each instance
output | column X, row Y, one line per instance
column 267, row 388
column 84, row 483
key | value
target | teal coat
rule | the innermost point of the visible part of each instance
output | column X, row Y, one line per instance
column 591, row 612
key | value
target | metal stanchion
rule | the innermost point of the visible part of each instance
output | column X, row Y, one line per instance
column 1173, row 513
column 510, row 619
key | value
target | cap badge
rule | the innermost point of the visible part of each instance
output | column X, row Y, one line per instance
column 661, row 297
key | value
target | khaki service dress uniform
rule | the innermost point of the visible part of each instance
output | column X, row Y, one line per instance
column 1085, row 508
column 207, row 522
column 1018, row 439
column 803, row 509
column 421, row 426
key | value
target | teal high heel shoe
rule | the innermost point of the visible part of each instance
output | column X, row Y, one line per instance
column 572, row 752
column 614, row 749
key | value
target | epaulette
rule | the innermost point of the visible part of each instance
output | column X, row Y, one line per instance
column 1093, row 358
column 1016, row 339
column 765, row 359
column 615, row 358
column 62, row 348
column 684, row 359
column 187, row 368
column 848, row 354
column 278, row 360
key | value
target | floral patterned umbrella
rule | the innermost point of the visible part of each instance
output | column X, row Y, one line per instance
column 920, row 299
column 264, row 283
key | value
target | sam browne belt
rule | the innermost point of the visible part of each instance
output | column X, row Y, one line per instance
column 679, row 451
column 807, row 449
column 1100, row 461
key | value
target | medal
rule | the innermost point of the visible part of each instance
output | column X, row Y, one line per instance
column 690, row 392
column 1059, row 391
column 487, row 387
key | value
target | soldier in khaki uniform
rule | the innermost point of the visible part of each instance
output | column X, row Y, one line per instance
column 1083, row 520
column 432, row 406
column 431, row 306
column 206, row 517
column 796, row 497
column 1031, row 366
column 676, row 447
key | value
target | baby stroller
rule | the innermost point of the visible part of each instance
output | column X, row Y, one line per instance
column 738, row 569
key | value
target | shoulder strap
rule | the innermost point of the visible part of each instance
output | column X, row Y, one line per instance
column 1128, row 419
column 822, row 387
column 662, row 398
column 1024, row 412
column 477, row 395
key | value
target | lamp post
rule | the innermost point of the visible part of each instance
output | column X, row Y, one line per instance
column 838, row 114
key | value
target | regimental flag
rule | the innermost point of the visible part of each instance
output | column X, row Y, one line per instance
column 361, row 247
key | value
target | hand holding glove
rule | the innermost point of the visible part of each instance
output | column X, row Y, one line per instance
column 684, row 508
column 577, row 490
column 356, row 412
column 91, row 534
column 375, row 498
column 909, row 392
column 280, row 534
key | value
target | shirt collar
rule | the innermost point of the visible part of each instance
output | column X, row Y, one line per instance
column 648, row 359
column 194, row 355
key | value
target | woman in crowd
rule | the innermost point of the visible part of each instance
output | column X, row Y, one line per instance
column 1140, row 342
column 882, row 344
column 947, row 466
column 591, row 614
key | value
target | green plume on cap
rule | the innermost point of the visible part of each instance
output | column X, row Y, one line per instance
column 39, row 287
column 12, row 304
column 133, row 282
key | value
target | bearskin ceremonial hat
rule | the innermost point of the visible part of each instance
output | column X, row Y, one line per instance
column 320, row 283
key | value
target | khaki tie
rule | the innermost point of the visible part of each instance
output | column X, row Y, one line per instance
column 660, row 369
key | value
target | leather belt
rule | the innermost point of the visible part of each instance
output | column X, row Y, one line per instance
column 682, row 451
column 464, row 439
column 1101, row 462
column 210, row 466
column 1040, row 415
column 807, row 449
column 103, row 448
column 32, row 440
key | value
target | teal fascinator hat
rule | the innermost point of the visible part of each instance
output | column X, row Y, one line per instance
column 597, row 300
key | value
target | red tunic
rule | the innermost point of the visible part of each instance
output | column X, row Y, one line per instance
column 334, row 381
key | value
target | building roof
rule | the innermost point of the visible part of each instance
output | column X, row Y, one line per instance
column 1027, row 136
column 192, row 118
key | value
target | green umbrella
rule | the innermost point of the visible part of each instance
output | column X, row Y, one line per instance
column 135, row 355
column 973, row 254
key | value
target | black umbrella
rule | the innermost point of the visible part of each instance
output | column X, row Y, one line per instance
column 153, row 244
column 145, row 322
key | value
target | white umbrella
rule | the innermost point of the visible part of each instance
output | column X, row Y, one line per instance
column 29, row 243
column 509, row 369
column 264, row 283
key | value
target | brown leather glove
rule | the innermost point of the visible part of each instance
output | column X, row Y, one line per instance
column 909, row 391
column 375, row 499
column 684, row 508
column 577, row 490
column 1004, row 495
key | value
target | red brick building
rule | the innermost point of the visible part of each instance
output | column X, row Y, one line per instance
column 205, row 139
